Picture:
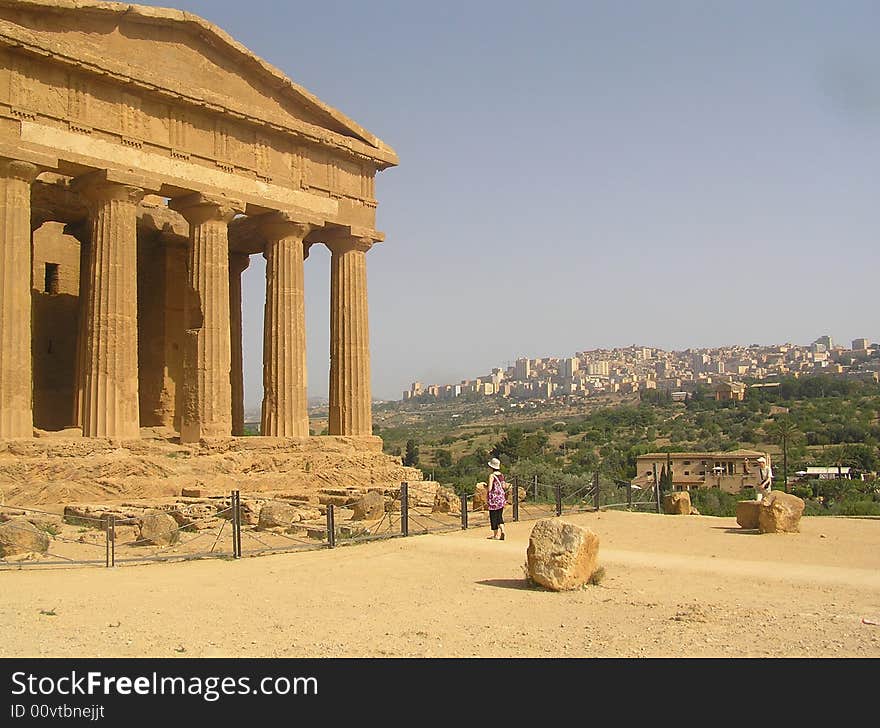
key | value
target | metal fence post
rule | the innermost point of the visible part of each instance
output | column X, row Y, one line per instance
column 331, row 526
column 515, row 499
column 463, row 511
column 107, row 541
column 656, row 489
column 629, row 496
column 535, row 487
column 596, row 490
column 236, row 524
column 404, row 508
column 558, row 499
column 112, row 540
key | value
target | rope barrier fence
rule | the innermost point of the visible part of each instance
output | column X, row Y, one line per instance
column 112, row 539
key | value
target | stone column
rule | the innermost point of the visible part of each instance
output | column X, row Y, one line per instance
column 109, row 376
column 285, row 404
column 238, row 262
column 350, row 402
column 16, row 370
column 207, row 356
column 80, row 232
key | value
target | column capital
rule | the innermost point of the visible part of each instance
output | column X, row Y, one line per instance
column 17, row 169
column 238, row 262
column 278, row 225
column 39, row 216
column 197, row 208
column 96, row 188
column 347, row 244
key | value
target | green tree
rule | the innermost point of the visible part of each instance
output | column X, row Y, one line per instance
column 784, row 431
column 444, row 458
column 411, row 458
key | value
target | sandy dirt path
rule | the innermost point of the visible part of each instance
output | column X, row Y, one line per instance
column 674, row 586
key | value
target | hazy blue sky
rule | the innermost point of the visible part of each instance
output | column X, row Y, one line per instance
column 576, row 175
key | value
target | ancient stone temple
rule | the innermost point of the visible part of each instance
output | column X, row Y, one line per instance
column 144, row 156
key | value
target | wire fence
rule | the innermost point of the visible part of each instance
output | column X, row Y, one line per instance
column 229, row 531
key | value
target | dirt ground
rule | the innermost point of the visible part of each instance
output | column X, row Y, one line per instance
column 674, row 586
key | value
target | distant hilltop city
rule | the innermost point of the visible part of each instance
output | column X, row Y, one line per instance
column 721, row 371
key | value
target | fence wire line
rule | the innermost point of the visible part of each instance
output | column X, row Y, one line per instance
column 16, row 527
column 286, row 536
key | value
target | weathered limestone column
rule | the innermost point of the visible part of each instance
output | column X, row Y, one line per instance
column 207, row 356
column 80, row 232
column 238, row 262
column 350, row 402
column 109, row 376
column 285, row 403
column 16, row 371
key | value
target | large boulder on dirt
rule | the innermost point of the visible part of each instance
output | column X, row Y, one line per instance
column 747, row 514
column 369, row 507
column 780, row 513
column 561, row 555
column 508, row 493
column 21, row 537
column 275, row 514
column 158, row 528
column 677, row 504
column 446, row 501
column 481, row 497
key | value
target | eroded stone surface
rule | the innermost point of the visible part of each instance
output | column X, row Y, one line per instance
column 780, row 512
column 561, row 555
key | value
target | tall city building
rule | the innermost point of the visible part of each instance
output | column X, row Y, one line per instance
column 860, row 344
column 523, row 369
column 569, row 367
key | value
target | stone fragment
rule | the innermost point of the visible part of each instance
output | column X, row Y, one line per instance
column 677, row 504
column 747, row 514
column 159, row 529
column 275, row 514
column 561, row 555
column 780, row 513
column 446, row 501
column 21, row 537
column 481, row 497
column 369, row 507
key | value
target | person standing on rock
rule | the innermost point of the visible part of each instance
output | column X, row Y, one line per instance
column 496, row 499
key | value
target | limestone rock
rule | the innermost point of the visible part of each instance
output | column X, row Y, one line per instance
column 677, row 504
column 561, row 555
column 370, row 506
column 481, row 497
column 747, row 514
column 274, row 514
column 780, row 513
column 159, row 528
column 446, row 501
column 21, row 537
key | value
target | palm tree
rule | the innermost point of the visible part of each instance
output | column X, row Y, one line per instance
column 784, row 430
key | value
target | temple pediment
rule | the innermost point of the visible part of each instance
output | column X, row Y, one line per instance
column 163, row 55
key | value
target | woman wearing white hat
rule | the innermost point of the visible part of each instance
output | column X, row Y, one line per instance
column 496, row 499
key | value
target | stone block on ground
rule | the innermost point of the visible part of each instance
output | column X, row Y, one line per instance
column 368, row 507
column 561, row 555
column 446, row 501
column 481, row 497
column 274, row 514
column 159, row 529
column 780, row 513
column 22, row 537
column 747, row 514
column 677, row 504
